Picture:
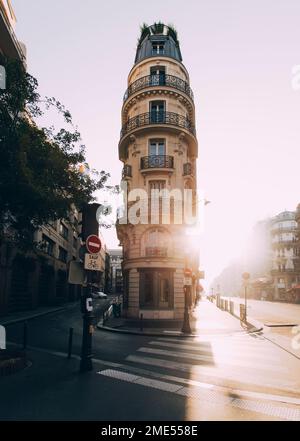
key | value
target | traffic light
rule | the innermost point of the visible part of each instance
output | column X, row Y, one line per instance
column 89, row 223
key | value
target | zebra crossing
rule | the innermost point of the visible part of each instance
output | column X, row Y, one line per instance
column 239, row 370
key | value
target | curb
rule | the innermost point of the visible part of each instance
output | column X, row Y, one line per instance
column 159, row 334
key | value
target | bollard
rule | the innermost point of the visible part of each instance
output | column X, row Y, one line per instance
column 243, row 318
column 70, row 343
column 141, row 322
column 25, row 335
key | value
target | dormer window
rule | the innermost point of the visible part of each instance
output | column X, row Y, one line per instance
column 158, row 48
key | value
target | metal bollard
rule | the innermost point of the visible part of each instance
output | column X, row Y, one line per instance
column 243, row 317
column 70, row 343
column 25, row 335
column 141, row 322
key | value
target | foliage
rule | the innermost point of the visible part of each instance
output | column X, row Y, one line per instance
column 40, row 177
column 157, row 28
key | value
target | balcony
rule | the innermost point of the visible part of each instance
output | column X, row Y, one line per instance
column 159, row 80
column 127, row 171
column 157, row 118
column 187, row 169
column 277, row 271
column 157, row 161
column 277, row 229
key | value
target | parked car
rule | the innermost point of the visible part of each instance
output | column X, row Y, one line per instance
column 99, row 295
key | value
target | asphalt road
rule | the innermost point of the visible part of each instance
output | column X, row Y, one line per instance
column 274, row 312
column 218, row 376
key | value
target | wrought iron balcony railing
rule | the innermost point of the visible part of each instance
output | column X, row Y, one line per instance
column 127, row 171
column 159, row 80
column 157, row 161
column 148, row 118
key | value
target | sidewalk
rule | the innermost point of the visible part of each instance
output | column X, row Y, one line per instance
column 11, row 319
column 205, row 319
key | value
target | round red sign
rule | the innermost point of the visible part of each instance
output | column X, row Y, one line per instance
column 93, row 244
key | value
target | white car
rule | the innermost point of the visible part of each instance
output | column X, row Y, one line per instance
column 99, row 295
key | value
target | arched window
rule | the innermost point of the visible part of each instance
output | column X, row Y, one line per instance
column 156, row 242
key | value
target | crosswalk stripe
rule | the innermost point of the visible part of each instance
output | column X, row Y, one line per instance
column 214, row 371
column 226, row 340
column 215, row 359
column 190, row 382
column 228, row 351
column 210, row 397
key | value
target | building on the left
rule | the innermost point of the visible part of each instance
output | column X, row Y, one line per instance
column 29, row 280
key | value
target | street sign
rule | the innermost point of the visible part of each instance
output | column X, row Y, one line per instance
column 92, row 262
column 93, row 244
column 187, row 281
column 76, row 273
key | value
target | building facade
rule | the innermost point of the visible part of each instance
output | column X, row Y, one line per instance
column 158, row 147
column 285, row 259
column 116, row 258
column 40, row 278
column 10, row 46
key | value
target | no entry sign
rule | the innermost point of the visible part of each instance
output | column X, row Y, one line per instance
column 93, row 244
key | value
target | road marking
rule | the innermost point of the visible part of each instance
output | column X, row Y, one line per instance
column 257, row 395
column 209, row 397
column 229, row 351
column 190, row 382
column 213, row 371
column 215, row 359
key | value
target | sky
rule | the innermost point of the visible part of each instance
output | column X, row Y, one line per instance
column 239, row 54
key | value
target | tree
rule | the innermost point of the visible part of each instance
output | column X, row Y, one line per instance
column 40, row 174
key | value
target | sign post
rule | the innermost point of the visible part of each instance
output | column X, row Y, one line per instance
column 90, row 256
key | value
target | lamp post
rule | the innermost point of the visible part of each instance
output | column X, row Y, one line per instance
column 186, row 327
column 246, row 277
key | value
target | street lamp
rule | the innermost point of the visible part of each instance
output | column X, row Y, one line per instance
column 246, row 277
column 186, row 327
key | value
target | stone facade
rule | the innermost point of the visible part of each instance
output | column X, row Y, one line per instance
column 158, row 147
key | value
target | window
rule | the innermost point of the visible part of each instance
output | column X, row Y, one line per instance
column 63, row 231
column 157, row 147
column 157, row 185
column 156, row 242
column 157, row 111
column 156, row 288
column 48, row 245
column 157, row 76
column 158, row 48
column 62, row 254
